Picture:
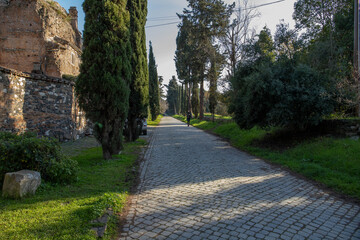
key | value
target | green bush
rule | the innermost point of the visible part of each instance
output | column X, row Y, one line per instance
column 271, row 96
column 274, row 87
column 26, row 151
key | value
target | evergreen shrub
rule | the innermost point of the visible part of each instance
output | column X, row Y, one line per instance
column 26, row 151
column 270, row 96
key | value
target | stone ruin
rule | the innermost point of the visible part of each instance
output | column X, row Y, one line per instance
column 42, row 104
column 39, row 43
column 41, row 32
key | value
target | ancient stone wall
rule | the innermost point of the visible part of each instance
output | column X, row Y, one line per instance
column 39, row 31
column 42, row 104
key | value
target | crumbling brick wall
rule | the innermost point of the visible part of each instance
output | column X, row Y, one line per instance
column 39, row 31
column 42, row 104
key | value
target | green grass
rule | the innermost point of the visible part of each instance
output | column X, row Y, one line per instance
column 218, row 116
column 156, row 122
column 333, row 162
column 205, row 125
column 65, row 212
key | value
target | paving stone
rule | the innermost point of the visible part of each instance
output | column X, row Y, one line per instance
column 213, row 238
column 174, row 236
column 195, row 186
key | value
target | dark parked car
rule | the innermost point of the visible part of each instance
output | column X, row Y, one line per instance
column 141, row 125
column 144, row 126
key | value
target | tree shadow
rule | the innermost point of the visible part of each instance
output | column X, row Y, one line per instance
column 197, row 185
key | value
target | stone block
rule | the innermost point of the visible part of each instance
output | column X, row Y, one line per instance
column 21, row 183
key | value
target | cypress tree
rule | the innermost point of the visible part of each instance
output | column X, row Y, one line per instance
column 139, row 87
column 103, row 84
column 172, row 97
column 154, row 94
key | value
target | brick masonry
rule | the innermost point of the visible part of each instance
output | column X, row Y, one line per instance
column 39, row 31
column 46, row 105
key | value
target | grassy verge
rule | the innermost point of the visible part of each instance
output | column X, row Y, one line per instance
column 209, row 115
column 333, row 162
column 156, row 122
column 65, row 212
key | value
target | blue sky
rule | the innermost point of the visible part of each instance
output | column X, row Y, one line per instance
column 164, row 11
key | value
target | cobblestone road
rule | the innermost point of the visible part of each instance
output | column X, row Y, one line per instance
column 195, row 186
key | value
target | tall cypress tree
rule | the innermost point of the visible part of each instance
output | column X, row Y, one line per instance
column 154, row 94
column 139, row 87
column 103, row 85
column 172, row 97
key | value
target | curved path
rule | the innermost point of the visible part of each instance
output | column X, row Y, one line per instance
column 195, row 186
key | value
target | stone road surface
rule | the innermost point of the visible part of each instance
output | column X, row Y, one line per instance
column 195, row 186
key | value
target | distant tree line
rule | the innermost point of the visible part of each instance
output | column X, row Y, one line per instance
column 113, row 86
column 292, row 79
column 197, row 56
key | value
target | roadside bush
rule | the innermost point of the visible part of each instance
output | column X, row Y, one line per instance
column 303, row 101
column 273, row 86
column 271, row 96
column 26, row 151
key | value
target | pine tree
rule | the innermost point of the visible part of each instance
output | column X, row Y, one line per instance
column 208, row 20
column 183, row 58
column 139, row 87
column 154, row 94
column 103, row 85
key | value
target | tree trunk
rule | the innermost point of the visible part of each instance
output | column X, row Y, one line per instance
column 195, row 99
column 116, row 137
column 105, row 142
column 202, row 99
column 132, row 134
column 356, row 51
column 189, row 98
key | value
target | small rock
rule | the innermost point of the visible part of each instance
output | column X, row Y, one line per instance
column 104, row 219
column 101, row 231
